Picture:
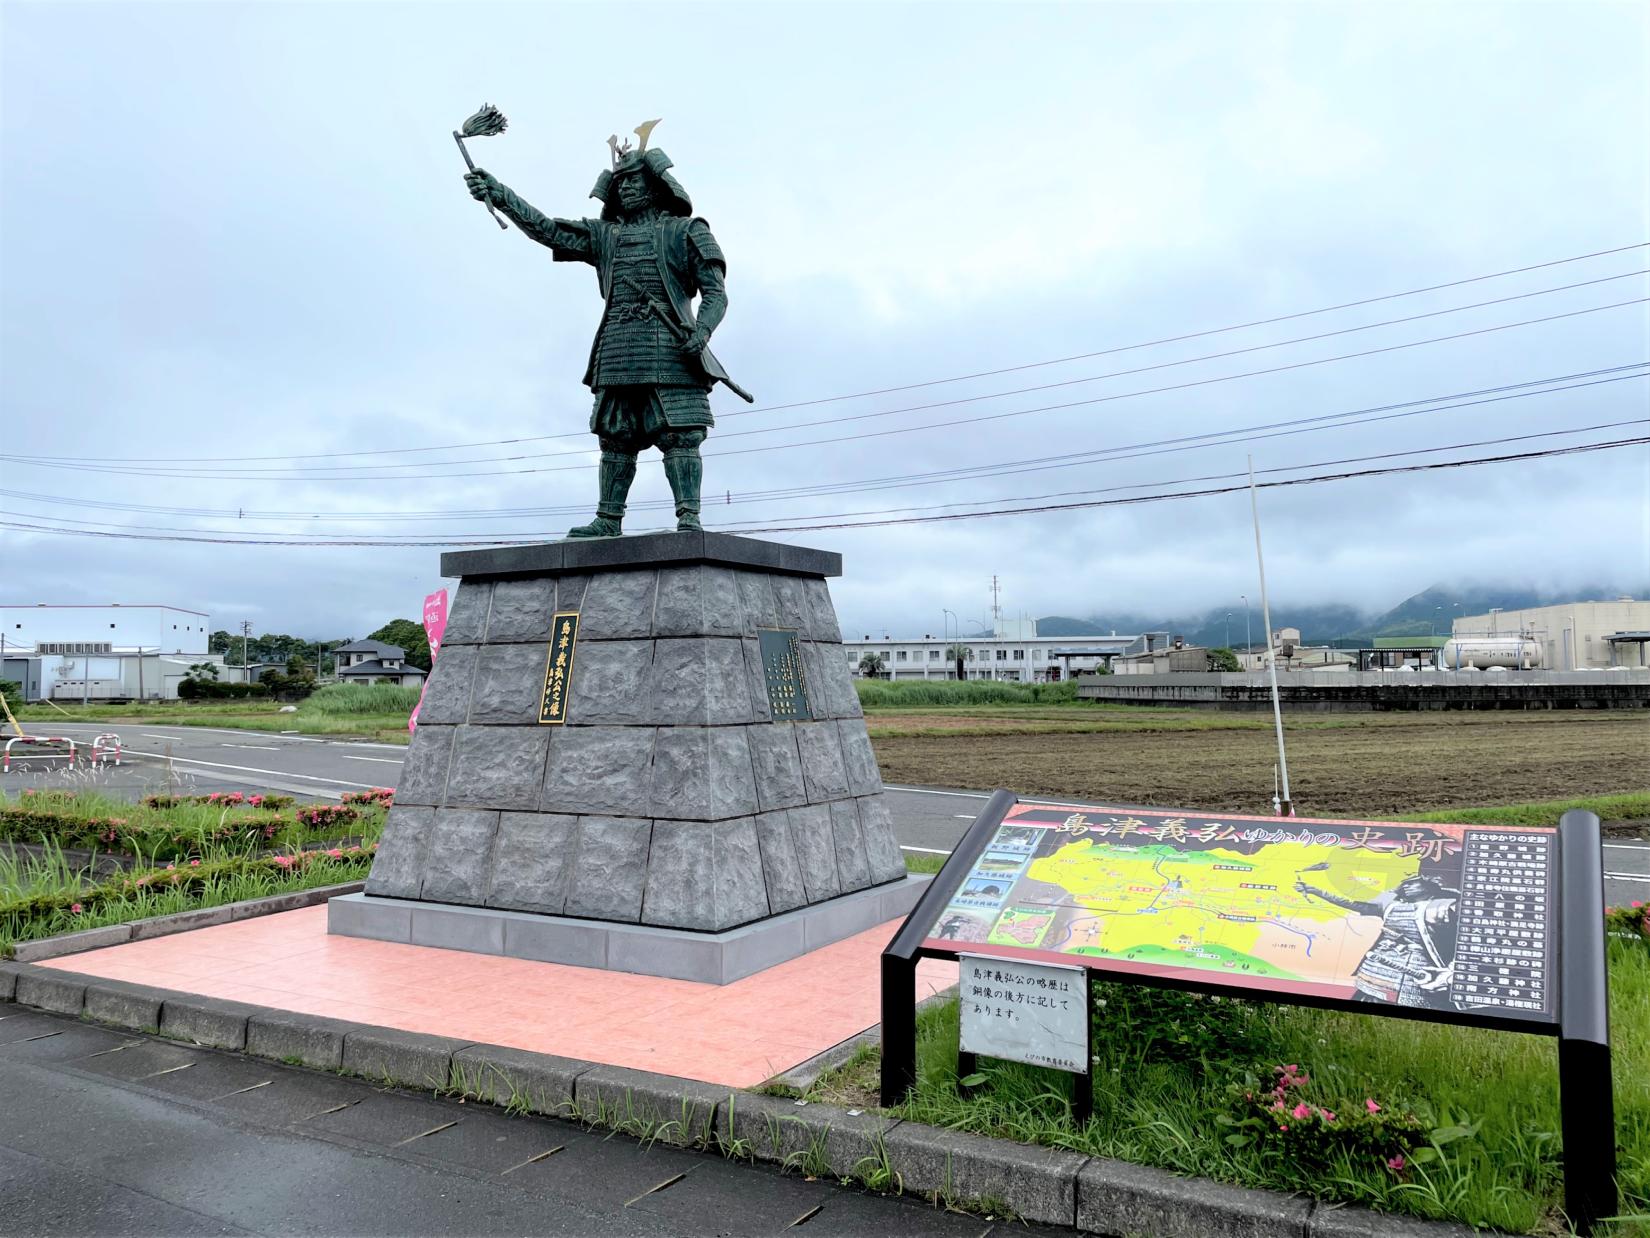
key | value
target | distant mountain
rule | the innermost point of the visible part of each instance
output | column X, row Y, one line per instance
column 1428, row 612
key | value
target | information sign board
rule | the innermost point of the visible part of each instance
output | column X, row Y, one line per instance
column 783, row 673
column 1025, row 1012
column 558, row 667
column 1448, row 918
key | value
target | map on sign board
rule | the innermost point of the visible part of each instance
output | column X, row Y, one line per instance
column 1441, row 917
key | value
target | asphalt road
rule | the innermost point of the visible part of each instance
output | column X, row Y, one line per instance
column 199, row 759
column 106, row 1132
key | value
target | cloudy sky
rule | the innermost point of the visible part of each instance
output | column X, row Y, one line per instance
column 236, row 247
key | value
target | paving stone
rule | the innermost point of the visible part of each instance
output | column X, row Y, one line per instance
column 307, row 1039
column 756, row 602
column 851, row 866
column 522, row 610
column 777, row 1129
column 780, row 871
column 424, row 770
column 674, row 1111
column 698, row 600
column 467, row 617
column 815, row 851
column 459, row 856
column 1114, row 1197
column 617, row 605
column 498, row 1075
column 822, row 620
column 1038, row 1184
column 611, row 683
column 532, row 861
column 702, row 774
column 858, row 760
column 447, row 693
column 509, row 683
column 882, row 851
column 570, row 592
column 61, row 992
column 681, row 874
column 207, row 1021
column 386, row 1055
column 117, row 1002
column 610, row 868
column 741, row 891
column 398, row 868
column 777, row 765
column 699, row 681
column 600, row 769
column 756, row 681
column 822, row 772
column 498, row 766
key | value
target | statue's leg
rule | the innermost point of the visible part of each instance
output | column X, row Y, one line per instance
column 686, row 472
column 613, row 423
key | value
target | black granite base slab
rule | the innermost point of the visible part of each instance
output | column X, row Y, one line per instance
column 642, row 550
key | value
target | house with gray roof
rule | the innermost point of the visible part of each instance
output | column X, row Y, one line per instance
column 372, row 661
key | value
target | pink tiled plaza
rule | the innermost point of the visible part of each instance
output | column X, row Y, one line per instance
column 737, row 1035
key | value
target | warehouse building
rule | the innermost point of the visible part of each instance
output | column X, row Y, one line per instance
column 1573, row 636
column 92, row 653
column 1016, row 654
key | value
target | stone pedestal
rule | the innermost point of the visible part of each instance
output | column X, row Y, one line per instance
column 646, row 804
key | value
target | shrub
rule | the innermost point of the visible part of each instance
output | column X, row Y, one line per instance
column 326, row 816
column 382, row 797
column 1309, row 1142
column 226, row 799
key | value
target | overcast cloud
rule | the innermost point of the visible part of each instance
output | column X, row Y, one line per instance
column 240, row 230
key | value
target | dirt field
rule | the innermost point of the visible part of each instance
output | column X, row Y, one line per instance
column 1351, row 765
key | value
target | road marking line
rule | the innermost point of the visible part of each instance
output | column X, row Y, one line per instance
column 1627, row 846
column 668, row 1182
column 380, row 760
column 432, row 1131
column 925, row 850
column 972, row 795
column 533, row 1160
column 1627, row 877
column 250, row 769
column 253, row 747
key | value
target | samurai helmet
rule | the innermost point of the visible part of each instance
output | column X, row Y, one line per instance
column 653, row 164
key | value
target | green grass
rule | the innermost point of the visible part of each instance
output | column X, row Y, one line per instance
column 894, row 694
column 1630, row 806
column 378, row 711
column 341, row 700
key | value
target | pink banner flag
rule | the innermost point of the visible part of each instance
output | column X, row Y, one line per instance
column 435, row 626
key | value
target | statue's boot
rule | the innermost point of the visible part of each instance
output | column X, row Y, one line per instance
column 618, row 470
column 685, row 472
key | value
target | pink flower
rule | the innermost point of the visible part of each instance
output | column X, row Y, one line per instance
column 170, row 867
column 1300, row 1111
column 1289, row 1070
column 1635, row 903
column 1396, row 1164
column 76, row 908
column 1372, row 1106
column 194, row 863
column 1283, row 1126
column 1327, row 1115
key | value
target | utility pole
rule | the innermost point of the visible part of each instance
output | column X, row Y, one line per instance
column 1228, row 629
column 246, row 634
column 996, row 608
column 1248, row 640
column 1286, row 807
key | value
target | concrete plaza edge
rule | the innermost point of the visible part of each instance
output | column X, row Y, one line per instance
column 1045, row 1185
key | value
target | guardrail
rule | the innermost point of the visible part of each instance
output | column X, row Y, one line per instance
column 105, row 746
column 5, row 762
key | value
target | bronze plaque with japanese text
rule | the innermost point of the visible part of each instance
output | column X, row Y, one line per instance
column 782, row 671
column 558, row 667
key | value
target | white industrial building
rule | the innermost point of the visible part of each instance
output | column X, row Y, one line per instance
column 1573, row 636
column 1014, row 654
column 86, row 653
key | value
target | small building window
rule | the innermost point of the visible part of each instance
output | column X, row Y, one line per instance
column 1002, row 655
column 902, row 656
column 933, row 655
column 1019, row 655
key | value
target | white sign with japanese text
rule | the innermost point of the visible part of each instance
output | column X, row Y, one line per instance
column 1035, row 1013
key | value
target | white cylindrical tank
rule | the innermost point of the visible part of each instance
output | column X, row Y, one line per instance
column 1483, row 652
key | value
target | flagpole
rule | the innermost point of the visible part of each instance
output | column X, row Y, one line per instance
column 1285, row 807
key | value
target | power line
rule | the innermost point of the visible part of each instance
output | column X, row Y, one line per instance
column 1193, row 383
column 933, row 382
column 1361, row 416
column 904, row 520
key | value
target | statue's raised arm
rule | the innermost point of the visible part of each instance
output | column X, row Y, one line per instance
column 567, row 239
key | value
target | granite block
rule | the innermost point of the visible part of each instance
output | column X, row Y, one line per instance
column 363, row 915
column 611, row 683
column 509, row 683
column 813, row 680
column 467, row 617
column 835, row 683
column 386, row 1055
column 699, row 681
column 312, row 1040
column 610, row 868
column 618, row 605
column 681, row 872
column 777, row 766
column 778, row 1130
column 756, row 681
column 424, row 770
column 703, row 774
column 791, row 605
column 398, row 868
column 498, row 766
column 577, row 943
column 823, row 775
column 780, row 871
column 882, row 851
column 499, row 1075
column 48, row 989
column 851, row 866
column 1037, row 1184
column 136, row 1006
column 543, row 559
column 757, row 604
column 522, row 610
column 815, row 851
column 459, row 855
column 532, row 861
column 599, row 769
column 858, row 760
column 447, row 693
column 570, row 592
column 8, row 980
column 73, row 943
column 647, row 549
column 822, row 621
column 740, row 888
column 698, row 601
column 179, row 922
column 456, row 927
column 1114, row 1197
column 206, row 1020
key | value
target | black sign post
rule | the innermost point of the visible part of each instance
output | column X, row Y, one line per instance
column 1517, row 891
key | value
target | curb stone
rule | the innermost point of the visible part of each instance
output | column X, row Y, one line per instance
column 1094, row 1195
column 181, row 922
column 497, row 1074
column 1035, row 1183
column 71, row 943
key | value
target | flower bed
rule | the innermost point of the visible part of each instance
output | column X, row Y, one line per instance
column 224, row 799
